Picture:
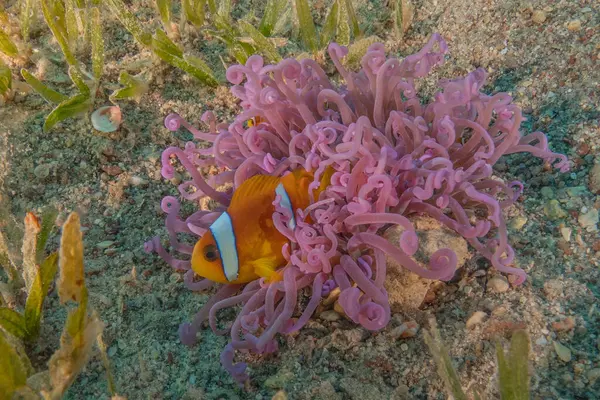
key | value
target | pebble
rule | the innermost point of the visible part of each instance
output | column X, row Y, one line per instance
column 137, row 181
column 554, row 211
column 42, row 171
column 359, row 390
column 407, row 329
column 339, row 309
column 541, row 341
column 538, row 16
column 175, row 278
column 565, row 325
column 593, row 375
column 594, row 179
column 281, row 395
column 279, row 380
column 589, row 220
column 547, row 193
column 112, row 170
column 325, row 391
column 574, row 25
column 518, row 223
column 563, row 352
column 346, row 339
column 499, row 311
column 402, row 392
column 330, row 316
column 576, row 191
column 553, row 288
column 498, row 284
column 105, row 244
column 333, row 296
column 404, row 347
column 476, row 319
column 566, row 233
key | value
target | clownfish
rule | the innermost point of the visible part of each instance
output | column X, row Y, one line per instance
column 255, row 121
column 243, row 244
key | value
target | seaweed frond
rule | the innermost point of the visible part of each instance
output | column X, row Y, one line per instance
column 83, row 327
column 273, row 12
column 168, row 51
column 130, row 22
column 48, row 94
column 308, row 32
column 7, row 46
column 134, row 88
column 403, row 16
column 513, row 372
column 164, row 10
column 5, row 79
column 442, row 360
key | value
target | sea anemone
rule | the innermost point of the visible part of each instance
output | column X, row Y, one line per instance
column 393, row 157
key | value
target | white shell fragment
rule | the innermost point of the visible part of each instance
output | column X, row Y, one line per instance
column 107, row 119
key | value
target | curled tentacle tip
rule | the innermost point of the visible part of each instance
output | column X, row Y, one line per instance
column 207, row 116
column 269, row 96
column 149, row 246
column 255, row 62
column 173, row 122
column 167, row 171
column 170, row 205
column 339, row 51
column 235, row 74
column 187, row 334
column 374, row 316
column 328, row 286
column 519, row 278
column 290, row 68
column 444, row 261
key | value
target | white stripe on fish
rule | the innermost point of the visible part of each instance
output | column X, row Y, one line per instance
column 285, row 202
column 222, row 231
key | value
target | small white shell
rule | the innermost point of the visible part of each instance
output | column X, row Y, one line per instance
column 107, row 119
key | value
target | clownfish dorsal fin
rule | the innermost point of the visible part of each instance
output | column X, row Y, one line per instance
column 251, row 188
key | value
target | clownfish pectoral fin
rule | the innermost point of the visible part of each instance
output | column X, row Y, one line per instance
column 266, row 268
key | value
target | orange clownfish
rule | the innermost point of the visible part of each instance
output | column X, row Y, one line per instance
column 243, row 244
column 255, row 121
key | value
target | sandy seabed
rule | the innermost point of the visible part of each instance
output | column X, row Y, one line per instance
column 546, row 54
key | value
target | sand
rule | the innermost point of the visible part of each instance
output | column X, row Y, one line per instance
column 536, row 51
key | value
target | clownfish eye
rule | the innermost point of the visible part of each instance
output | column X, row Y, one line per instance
column 211, row 253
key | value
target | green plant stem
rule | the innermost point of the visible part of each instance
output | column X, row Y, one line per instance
column 130, row 22
column 308, row 32
column 50, row 95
